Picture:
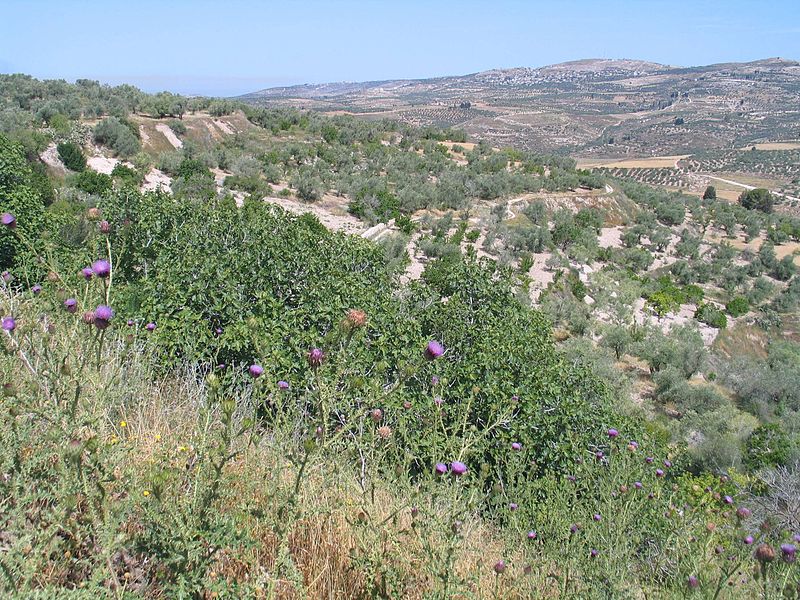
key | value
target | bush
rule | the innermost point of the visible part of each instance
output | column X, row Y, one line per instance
column 738, row 306
column 711, row 315
column 126, row 175
column 757, row 199
column 767, row 446
column 94, row 183
column 23, row 202
column 72, row 156
column 179, row 127
column 118, row 136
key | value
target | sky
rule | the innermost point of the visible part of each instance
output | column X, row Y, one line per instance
column 230, row 47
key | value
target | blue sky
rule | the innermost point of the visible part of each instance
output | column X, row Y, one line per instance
column 228, row 47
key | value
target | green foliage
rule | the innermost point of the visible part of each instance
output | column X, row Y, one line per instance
column 738, row 306
column 72, row 156
column 757, row 199
column 767, row 446
column 117, row 135
column 19, row 199
column 711, row 315
column 92, row 182
column 710, row 193
column 127, row 175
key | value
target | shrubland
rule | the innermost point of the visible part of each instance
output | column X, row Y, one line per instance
column 205, row 398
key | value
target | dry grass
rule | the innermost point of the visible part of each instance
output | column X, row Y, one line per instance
column 774, row 146
column 655, row 162
column 339, row 523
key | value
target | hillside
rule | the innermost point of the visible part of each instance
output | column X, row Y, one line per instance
column 603, row 108
column 259, row 352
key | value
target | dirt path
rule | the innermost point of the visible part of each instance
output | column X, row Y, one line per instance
column 748, row 187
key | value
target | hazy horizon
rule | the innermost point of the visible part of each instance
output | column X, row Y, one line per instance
column 200, row 48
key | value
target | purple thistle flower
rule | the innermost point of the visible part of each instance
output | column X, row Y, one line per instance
column 513, row 506
column 728, row 500
column 719, row 550
column 101, row 268
column 102, row 316
column 37, row 289
column 612, row 433
column 440, row 468
column 131, row 322
column 788, row 551
column 87, row 273
column 499, row 567
column 571, row 478
column 150, row 326
column 594, row 553
column 9, row 324
column 650, row 496
column 434, row 380
column 71, row 305
column 633, row 445
column 659, row 473
column 796, row 537
column 283, row 385
column 597, row 517
column 648, row 460
column 255, row 371
column 667, row 464
column 599, row 455
column 458, row 468
column 748, row 540
column 6, row 276
column 433, row 350
column 638, row 485
column 438, row 401
column 315, row 358
column 531, row 535
column 574, row 528
column 9, row 220
column 515, row 398
column 516, row 446
column 692, row 581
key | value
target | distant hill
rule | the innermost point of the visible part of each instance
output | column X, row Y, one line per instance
column 592, row 107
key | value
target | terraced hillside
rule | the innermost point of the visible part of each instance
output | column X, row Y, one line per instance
column 591, row 107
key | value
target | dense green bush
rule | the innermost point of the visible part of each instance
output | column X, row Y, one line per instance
column 757, row 199
column 92, row 182
column 711, row 315
column 72, row 156
column 118, row 136
column 738, row 306
column 19, row 199
column 767, row 446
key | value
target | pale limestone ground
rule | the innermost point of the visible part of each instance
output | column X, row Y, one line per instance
column 610, row 237
column 156, row 179
column 643, row 315
column 51, row 159
column 170, row 135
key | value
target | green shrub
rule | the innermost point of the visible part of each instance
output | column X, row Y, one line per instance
column 118, row 136
column 94, row 183
column 767, row 446
column 738, row 306
column 72, row 156
column 711, row 315
column 127, row 175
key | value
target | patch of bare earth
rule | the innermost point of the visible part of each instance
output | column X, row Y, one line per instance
column 156, row 180
column 51, row 159
column 173, row 139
